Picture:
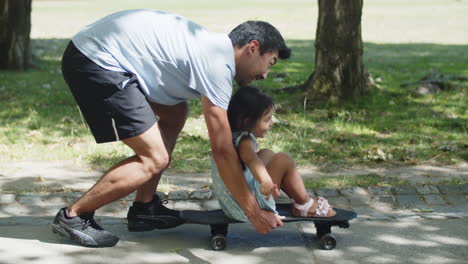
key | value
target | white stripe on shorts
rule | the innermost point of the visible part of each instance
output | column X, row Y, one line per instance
column 115, row 130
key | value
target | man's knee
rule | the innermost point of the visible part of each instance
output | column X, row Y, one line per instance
column 155, row 164
column 151, row 151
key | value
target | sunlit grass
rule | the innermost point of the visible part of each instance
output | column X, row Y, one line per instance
column 364, row 181
column 39, row 119
column 345, row 181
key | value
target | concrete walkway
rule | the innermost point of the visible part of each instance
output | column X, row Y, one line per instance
column 406, row 241
column 424, row 223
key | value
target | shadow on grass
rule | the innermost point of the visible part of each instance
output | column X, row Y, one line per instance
column 39, row 102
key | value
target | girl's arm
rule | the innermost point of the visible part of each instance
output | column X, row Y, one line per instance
column 229, row 168
column 248, row 155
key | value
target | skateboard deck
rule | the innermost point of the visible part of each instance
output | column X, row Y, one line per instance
column 219, row 223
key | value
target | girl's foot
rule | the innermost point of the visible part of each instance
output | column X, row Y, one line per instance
column 315, row 207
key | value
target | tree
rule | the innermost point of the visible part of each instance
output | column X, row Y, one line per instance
column 339, row 70
column 15, row 27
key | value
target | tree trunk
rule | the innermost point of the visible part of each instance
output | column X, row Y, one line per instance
column 339, row 71
column 15, row 27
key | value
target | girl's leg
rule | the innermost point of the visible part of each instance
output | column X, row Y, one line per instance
column 282, row 170
column 266, row 155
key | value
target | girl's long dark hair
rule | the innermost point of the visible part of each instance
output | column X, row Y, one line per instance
column 247, row 105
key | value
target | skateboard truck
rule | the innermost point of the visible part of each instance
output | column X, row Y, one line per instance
column 218, row 236
column 327, row 241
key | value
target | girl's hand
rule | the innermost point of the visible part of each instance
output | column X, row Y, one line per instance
column 268, row 188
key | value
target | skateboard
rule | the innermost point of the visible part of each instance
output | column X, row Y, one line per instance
column 219, row 223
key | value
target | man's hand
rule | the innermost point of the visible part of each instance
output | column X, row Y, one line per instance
column 230, row 170
column 265, row 221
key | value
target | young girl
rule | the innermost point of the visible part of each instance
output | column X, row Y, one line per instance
column 250, row 117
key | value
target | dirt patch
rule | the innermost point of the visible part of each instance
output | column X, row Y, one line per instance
column 40, row 176
column 418, row 174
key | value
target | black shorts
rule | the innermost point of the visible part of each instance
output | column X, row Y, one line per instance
column 112, row 103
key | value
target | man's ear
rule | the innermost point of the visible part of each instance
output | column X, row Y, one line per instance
column 253, row 46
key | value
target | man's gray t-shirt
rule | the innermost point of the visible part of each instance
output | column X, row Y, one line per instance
column 173, row 58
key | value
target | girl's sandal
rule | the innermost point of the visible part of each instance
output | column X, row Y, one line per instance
column 322, row 210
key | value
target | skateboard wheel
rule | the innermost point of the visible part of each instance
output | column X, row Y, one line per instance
column 328, row 242
column 218, row 242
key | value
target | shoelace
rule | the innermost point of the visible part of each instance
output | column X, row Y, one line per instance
column 89, row 221
column 167, row 210
column 86, row 223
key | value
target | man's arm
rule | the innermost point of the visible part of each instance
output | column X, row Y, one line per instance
column 228, row 164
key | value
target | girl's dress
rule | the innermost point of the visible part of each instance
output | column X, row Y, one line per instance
column 230, row 207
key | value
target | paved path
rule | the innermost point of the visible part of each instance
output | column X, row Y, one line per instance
column 406, row 240
column 406, row 224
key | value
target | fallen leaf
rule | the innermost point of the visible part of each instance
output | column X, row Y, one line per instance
column 40, row 179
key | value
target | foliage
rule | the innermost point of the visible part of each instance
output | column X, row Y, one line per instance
column 345, row 181
column 392, row 125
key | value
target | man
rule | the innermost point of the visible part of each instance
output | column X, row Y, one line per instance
column 131, row 74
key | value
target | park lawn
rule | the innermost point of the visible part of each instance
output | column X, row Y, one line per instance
column 390, row 126
column 39, row 119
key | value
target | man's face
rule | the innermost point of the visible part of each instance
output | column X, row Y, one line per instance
column 254, row 66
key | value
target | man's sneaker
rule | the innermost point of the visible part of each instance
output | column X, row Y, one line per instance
column 152, row 215
column 82, row 229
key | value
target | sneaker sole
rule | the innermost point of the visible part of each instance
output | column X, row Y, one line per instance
column 163, row 222
column 140, row 228
column 81, row 238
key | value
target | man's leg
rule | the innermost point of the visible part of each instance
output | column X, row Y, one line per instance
column 171, row 121
column 77, row 223
column 148, row 212
column 151, row 158
column 112, row 113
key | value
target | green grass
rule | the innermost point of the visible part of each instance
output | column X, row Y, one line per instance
column 407, row 128
column 351, row 181
column 367, row 180
column 39, row 119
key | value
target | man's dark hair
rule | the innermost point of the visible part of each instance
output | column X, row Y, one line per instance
column 247, row 105
column 269, row 37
